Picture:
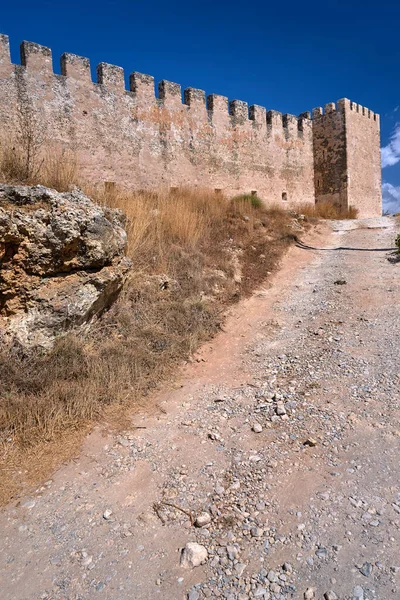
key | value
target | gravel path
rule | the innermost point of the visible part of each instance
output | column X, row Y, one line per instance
column 276, row 452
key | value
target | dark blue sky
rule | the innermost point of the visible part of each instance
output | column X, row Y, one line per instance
column 285, row 56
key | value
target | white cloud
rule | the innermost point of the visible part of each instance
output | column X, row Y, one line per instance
column 391, row 198
column 391, row 153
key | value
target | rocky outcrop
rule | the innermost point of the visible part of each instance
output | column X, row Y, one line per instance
column 62, row 262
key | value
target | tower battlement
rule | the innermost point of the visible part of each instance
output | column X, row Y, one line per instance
column 138, row 138
column 341, row 106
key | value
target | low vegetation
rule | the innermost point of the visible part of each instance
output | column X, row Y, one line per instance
column 194, row 253
column 245, row 199
column 327, row 210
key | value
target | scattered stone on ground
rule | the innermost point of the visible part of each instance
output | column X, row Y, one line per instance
column 193, row 555
column 307, row 508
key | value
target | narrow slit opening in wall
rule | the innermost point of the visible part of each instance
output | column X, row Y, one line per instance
column 254, row 192
column 174, row 190
column 218, row 191
column 284, row 196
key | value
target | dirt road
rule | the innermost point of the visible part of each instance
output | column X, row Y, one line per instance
column 284, row 431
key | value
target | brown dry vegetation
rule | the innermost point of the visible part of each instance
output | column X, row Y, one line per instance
column 56, row 168
column 194, row 253
column 327, row 210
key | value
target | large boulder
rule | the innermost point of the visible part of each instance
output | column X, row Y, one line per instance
column 61, row 262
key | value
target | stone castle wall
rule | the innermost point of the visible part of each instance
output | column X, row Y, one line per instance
column 137, row 140
column 363, row 159
column 347, row 162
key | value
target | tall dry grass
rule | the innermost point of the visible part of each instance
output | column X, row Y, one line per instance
column 326, row 210
column 56, row 168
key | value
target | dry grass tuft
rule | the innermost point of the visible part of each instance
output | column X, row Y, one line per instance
column 12, row 163
column 327, row 210
column 56, row 168
column 59, row 170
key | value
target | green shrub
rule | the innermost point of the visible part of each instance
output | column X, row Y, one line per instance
column 397, row 242
column 252, row 199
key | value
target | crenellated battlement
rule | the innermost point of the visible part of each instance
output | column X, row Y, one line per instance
column 111, row 77
column 342, row 106
column 37, row 58
column 76, row 67
column 151, row 135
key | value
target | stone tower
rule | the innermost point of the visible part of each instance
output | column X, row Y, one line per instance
column 347, row 162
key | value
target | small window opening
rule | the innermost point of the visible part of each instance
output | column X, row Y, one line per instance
column 254, row 192
column 174, row 190
column 284, row 196
column 218, row 191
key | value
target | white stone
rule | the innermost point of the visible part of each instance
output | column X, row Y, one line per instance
column 202, row 519
column 257, row 428
column 358, row 593
column 193, row 555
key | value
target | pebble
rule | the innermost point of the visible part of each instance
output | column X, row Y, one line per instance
column 310, row 442
column 87, row 560
column 257, row 428
column 239, row 568
column 309, row 594
column 193, row 555
column 358, row 593
column 107, row 514
column 330, row 595
column 272, row 576
column 375, row 523
column 203, row 519
column 233, row 552
column 321, row 553
column 260, row 592
column 366, row 569
column 256, row 532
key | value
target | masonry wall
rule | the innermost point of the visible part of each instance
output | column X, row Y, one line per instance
column 363, row 159
column 347, row 159
column 140, row 141
column 330, row 157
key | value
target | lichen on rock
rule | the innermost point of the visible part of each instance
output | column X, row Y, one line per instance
column 62, row 262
